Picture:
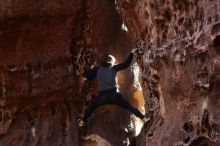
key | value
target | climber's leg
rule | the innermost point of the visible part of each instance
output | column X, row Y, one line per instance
column 97, row 102
column 121, row 101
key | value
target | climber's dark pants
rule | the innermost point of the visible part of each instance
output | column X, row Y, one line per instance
column 111, row 98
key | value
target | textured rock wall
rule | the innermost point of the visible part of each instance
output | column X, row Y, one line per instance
column 101, row 34
column 36, row 73
column 179, row 58
column 45, row 46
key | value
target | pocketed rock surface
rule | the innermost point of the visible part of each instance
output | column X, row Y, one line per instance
column 46, row 45
column 179, row 45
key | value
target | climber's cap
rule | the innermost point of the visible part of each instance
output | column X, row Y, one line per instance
column 110, row 59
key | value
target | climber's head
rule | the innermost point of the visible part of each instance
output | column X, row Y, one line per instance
column 110, row 59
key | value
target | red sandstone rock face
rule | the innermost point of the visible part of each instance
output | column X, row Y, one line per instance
column 36, row 73
column 101, row 34
column 45, row 46
column 180, row 68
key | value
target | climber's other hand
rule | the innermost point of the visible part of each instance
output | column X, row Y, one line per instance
column 134, row 50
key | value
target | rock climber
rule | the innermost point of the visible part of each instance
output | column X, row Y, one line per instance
column 106, row 75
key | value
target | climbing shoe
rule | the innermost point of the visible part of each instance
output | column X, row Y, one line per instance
column 82, row 128
column 146, row 120
column 81, row 123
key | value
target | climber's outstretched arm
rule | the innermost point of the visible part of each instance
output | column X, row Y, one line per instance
column 126, row 63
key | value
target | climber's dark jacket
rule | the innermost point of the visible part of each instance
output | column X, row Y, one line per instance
column 106, row 74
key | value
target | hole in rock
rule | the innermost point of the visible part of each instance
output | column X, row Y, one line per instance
column 156, row 78
column 167, row 15
column 156, row 93
column 205, row 121
column 202, row 56
column 32, row 121
column 209, row 21
column 150, row 134
column 164, row 36
column 196, row 2
column 202, row 141
column 216, row 44
column 180, row 7
column 215, row 28
column 152, row 5
column 146, row 14
column 200, row 14
column 188, row 23
column 215, row 127
column 160, row 23
column 216, row 17
column 187, row 139
column 180, row 21
column 188, row 127
column 201, row 40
